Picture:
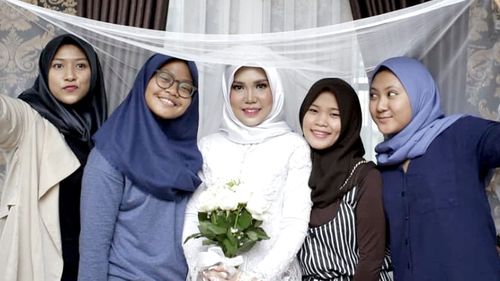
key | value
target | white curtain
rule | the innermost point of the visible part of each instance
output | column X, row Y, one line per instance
column 256, row 16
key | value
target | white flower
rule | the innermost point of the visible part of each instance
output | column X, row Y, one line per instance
column 227, row 199
column 225, row 196
column 258, row 206
column 207, row 201
column 243, row 193
column 228, row 195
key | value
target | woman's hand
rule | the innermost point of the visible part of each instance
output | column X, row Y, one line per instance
column 213, row 275
column 242, row 276
column 219, row 272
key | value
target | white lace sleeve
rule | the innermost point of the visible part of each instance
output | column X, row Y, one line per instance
column 295, row 219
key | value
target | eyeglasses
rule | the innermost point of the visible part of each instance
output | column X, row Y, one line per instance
column 165, row 80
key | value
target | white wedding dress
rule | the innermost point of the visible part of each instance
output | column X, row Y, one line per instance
column 278, row 169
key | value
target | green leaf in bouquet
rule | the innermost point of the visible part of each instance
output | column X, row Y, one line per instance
column 209, row 242
column 214, row 216
column 257, row 223
column 252, row 235
column 203, row 216
column 231, row 217
column 247, row 244
column 261, row 234
column 244, row 220
column 229, row 248
column 222, row 219
column 217, row 241
column 196, row 235
column 210, row 230
column 256, row 234
column 232, row 236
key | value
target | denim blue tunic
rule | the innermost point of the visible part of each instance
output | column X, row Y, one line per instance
column 438, row 213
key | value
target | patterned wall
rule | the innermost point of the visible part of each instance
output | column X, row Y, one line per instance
column 22, row 37
column 483, row 77
column 65, row 6
column 483, row 65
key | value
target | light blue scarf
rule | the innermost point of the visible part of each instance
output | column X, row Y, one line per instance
column 428, row 121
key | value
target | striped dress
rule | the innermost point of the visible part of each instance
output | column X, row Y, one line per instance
column 330, row 251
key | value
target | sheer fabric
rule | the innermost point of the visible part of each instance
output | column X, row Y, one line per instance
column 347, row 50
column 258, row 16
column 311, row 39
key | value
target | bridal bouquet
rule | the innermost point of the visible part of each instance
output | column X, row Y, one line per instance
column 230, row 217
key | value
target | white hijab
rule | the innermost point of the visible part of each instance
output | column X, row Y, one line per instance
column 274, row 124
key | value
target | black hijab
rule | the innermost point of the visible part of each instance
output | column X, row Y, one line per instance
column 78, row 121
column 332, row 166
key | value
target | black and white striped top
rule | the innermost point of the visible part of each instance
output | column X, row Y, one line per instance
column 330, row 251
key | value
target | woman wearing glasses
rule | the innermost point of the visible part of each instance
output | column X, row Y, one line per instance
column 139, row 177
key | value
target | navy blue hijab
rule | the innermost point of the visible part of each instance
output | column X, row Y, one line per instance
column 160, row 156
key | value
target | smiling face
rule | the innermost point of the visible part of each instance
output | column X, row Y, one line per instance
column 166, row 103
column 251, row 97
column 389, row 103
column 321, row 124
column 69, row 75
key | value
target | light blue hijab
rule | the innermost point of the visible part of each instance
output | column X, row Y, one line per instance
column 428, row 121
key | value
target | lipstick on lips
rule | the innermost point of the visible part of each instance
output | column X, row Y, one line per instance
column 251, row 112
column 320, row 134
